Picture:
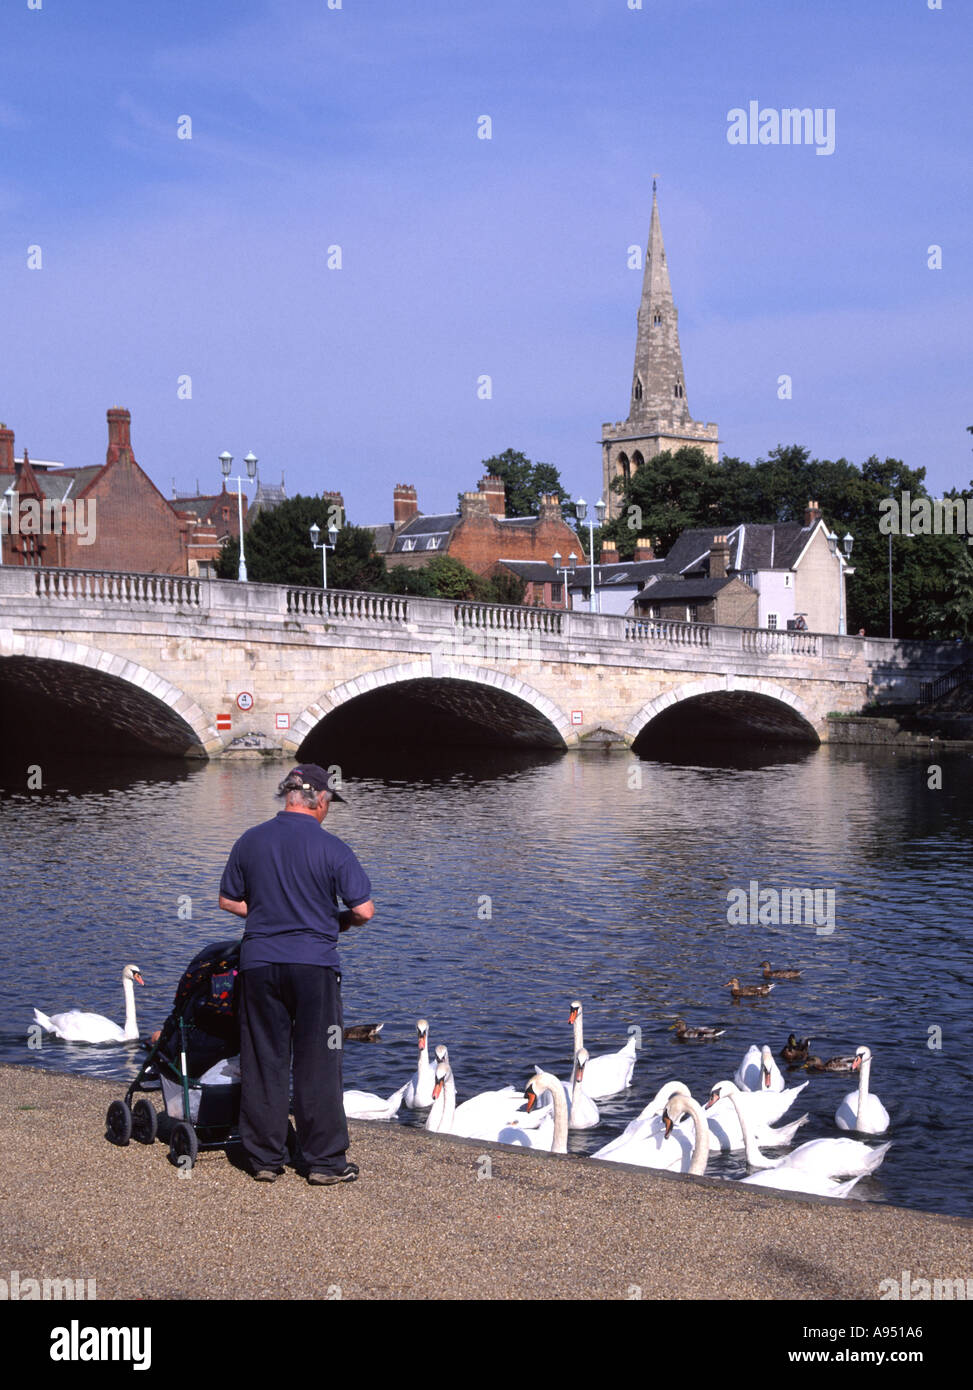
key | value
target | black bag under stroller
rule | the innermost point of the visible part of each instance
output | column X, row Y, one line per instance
column 194, row 1062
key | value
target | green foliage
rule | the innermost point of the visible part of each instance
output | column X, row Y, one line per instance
column 278, row 544
column 525, row 483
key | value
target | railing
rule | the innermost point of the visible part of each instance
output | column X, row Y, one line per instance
column 107, row 586
column 935, row 690
column 773, row 641
column 668, row 632
column 337, row 603
column 502, row 617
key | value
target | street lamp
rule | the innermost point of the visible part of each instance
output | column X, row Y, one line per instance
column 581, row 509
column 846, row 544
column 567, row 570
column 904, row 533
column 226, row 462
column 324, row 547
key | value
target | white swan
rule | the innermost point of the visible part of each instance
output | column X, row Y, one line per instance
column 583, row 1112
column 644, row 1141
column 78, row 1026
column 762, row 1108
column 861, row 1110
column 363, row 1105
column 820, row 1158
column 758, row 1071
column 418, row 1091
column 677, row 1106
column 552, row 1135
column 481, row 1117
column 609, row 1072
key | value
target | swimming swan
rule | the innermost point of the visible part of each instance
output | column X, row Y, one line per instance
column 609, row 1072
column 418, row 1091
column 860, row 1109
column 78, row 1026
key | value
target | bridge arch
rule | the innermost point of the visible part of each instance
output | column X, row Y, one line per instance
column 505, row 708
column 128, row 700
column 760, row 706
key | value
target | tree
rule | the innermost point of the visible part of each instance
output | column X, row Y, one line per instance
column 525, row 483
column 278, row 544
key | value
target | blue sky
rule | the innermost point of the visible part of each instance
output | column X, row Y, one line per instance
column 460, row 257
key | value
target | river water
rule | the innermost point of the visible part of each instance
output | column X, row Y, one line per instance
column 507, row 884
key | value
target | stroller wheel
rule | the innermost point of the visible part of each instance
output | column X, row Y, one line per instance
column 145, row 1122
column 118, row 1123
column 183, row 1144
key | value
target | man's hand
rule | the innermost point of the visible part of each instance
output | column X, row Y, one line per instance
column 228, row 905
column 354, row 916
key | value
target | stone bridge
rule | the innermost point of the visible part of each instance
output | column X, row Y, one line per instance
column 209, row 668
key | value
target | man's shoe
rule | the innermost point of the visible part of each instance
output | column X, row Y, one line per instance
column 348, row 1174
column 265, row 1175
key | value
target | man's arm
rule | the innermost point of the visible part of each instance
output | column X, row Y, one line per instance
column 353, row 916
column 228, row 905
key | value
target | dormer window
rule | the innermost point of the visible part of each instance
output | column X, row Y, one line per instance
column 409, row 544
column 432, row 543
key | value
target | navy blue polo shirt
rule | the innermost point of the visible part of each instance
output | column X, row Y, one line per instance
column 290, row 872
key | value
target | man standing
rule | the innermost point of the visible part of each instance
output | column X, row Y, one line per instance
column 285, row 877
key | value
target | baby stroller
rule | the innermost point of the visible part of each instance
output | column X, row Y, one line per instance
column 195, row 1063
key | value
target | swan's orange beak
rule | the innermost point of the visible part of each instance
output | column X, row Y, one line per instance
column 422, row 1041
column 138, row 979
column 712, row 1101
column 572, row 1015
column 668, row 1123
column 531, row 1097
column 436, row 1089
column 766, row 1076
column 856, row 1065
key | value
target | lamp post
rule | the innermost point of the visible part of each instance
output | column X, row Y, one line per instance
column 581, row 509
column 568, row 569
column 324, row 547
column 847, row 542
column 226, row 463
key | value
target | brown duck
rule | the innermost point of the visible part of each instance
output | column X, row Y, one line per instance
column 684, row 1032
column 840, row 1065
column 794, row 1051
column 746, row 991
column 363, row 1032
column 778, row 974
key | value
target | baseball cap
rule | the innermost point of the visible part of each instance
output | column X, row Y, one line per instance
column 316, row 779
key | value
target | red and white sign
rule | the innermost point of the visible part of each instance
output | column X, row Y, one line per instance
column 577, row 716
column 244, row 700
column 283, row 721
column 224, row 721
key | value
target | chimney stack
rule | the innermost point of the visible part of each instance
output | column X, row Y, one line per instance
column 609, row 553
column 644, row 549
column 405, row 504
column 6, row 449
column 812, row 515
column 119, row 433
column 474, row 504
column 719, row 558
column 550, row 508
column 493, row 489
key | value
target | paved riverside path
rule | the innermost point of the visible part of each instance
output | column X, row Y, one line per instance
column 419, row 1223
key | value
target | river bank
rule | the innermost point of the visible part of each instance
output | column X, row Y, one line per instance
column 422, row 1222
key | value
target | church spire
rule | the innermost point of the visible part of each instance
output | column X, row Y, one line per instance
column 658, row 384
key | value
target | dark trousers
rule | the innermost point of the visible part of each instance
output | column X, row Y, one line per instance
column 285, row 1007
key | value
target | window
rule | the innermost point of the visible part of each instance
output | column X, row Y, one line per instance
column 626, row 467
column 787, row 580
column 409, row 544
column 692, row 613
column 657, row 318
column 772, row 621
column 638, row 389
column 432, row 543
column 556, row 592
column 226, row 513
column 677, row 390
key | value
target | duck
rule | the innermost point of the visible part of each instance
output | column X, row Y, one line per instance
column 608, row 1073
column 77, row 1026
column 363, row 1032
column 758, row 1071
column 551, row 1136
column 788, row 974
column 794, row 1052
column 418, row 1091
column 861, row 1110
column 746, row 991
column 841, row 1066
column 364, row 1105
column 684, row 1032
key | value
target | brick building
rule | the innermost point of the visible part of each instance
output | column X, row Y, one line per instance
column 105, row 517
column 480, row 534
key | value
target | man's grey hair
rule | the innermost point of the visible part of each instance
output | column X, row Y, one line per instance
column 292, row 790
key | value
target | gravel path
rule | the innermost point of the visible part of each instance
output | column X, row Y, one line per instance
column 421, row 1222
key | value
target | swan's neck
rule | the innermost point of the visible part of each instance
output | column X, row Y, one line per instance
column 754, row 1157
column 131, row 1027
column 551, row 1083
column 863, row 1077
column 425, row 1062
column 697, row 1164
column 578, row 1026
column 440, row 1118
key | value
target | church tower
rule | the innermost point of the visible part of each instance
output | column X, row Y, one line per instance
column 658, row 413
